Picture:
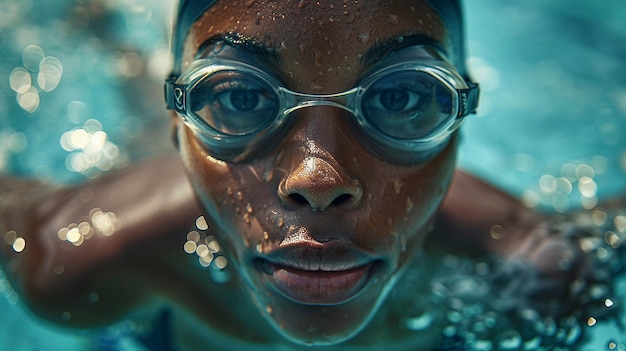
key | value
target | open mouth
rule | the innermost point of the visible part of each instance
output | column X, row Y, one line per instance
column 305, row 276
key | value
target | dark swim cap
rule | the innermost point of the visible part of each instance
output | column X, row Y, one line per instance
column 189, row 11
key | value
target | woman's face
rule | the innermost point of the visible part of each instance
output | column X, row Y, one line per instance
column 316, row 224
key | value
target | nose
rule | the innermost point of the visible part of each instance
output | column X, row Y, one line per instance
column 318, row 184
column 318, row 177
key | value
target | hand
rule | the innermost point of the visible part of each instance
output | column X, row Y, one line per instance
column 548, row 272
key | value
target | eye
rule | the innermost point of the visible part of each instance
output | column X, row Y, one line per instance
column 394, row 100
column 407, row 104
column 242, row 100
column 234, row 103
column 239, row 96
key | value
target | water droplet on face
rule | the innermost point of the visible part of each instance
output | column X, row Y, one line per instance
column 397, row 186
column 409, row 204
column 364, row 37
column 266, row 235
column 246, row 218
column 317, row 58
column 250, row 3
column 240, row 196
column 280, row 222
column 249, row 208
column 268, row 175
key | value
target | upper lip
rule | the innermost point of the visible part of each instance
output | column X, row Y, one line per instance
column 328, row 257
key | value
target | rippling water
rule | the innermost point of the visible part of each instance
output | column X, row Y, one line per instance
column 550, row 129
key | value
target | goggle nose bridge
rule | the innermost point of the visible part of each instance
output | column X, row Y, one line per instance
column 345, row 100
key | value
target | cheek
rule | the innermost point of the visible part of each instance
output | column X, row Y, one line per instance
column 405, row 199
column 229, row 193
column 209, row 177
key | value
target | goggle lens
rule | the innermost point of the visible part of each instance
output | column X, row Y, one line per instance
column 234, row 103
column 408, row 104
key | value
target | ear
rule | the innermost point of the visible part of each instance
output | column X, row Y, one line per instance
column 174, row 128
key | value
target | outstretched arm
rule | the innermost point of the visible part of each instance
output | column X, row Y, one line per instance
column 74, row 253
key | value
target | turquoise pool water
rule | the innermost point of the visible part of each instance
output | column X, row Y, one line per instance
column 553, row 110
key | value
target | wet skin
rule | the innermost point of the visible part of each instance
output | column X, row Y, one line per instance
column 318, row 226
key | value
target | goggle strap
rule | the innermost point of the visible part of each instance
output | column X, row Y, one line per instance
column 468, row 100
column 175, row 95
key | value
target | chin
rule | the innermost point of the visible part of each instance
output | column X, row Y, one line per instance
column 320, row 323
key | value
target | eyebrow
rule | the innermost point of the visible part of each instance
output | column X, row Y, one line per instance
column 384, row 48
column 250, row 45
column 377, row 52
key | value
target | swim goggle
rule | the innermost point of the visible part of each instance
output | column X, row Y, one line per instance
column 407, row 110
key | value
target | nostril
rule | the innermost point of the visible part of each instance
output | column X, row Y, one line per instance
column 321, row 201
column 342, row 199
column 298, row 199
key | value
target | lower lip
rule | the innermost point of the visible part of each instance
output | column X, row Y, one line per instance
column 319, row 287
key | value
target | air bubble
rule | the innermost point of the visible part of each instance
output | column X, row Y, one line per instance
column 509, row 340
column 483, row 345
column 418, row 323
column 573, row 335
column 533, row 344
column 591, row 321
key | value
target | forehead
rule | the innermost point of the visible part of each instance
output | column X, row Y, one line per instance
column 320, row 44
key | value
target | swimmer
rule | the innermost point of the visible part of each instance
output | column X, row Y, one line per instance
column 318, row 142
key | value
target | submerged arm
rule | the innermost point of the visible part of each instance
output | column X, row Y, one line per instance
column 81, row 255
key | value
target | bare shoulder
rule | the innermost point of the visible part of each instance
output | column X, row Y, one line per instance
column 474, row 213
